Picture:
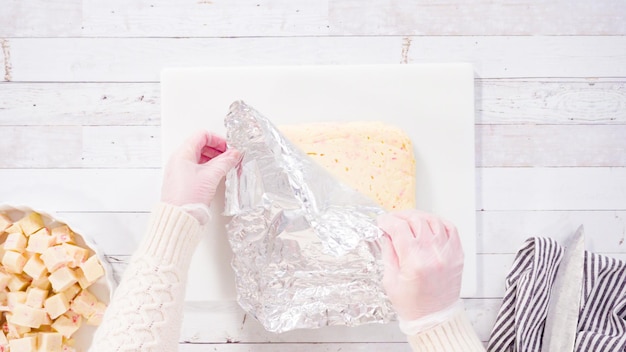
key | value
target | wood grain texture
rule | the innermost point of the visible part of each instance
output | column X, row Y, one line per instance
column 544, row 101
column 79, row 104
column 87, row 147
column 129, row 146
column 477, row 17
column 121, row 190
column 550, row 145
column 551, row 188
column 29, row 147
column 141, row 59
column 219, row 18
column 202, row 18
column 40, row 18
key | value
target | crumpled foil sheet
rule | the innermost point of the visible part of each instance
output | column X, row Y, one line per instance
column 305, row 250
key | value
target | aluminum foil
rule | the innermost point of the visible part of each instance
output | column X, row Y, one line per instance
column 305, row 250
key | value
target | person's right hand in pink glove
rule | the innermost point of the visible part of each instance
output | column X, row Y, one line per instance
column 194, row 171
column 423, row 263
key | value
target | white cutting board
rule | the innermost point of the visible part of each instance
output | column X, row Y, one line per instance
column 433, row 103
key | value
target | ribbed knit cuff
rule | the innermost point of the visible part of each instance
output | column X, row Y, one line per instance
column 454, row 335
column 172, row 235
column 412, row 327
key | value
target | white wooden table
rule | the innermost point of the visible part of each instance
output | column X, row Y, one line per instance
column 79, row 118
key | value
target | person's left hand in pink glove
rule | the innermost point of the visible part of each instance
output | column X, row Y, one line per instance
column 194, row 171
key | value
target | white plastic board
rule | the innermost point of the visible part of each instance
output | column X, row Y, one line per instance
column 433, row 103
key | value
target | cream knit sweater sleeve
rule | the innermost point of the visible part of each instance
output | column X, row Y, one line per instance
column 454, row 335
column 145, row 313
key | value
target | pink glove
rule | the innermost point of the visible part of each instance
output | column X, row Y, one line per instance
column 194, row 171
column 423, row 263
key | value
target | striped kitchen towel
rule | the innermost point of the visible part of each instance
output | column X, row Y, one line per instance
column 601, row 320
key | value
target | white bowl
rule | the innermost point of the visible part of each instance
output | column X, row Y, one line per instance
column 102, row 288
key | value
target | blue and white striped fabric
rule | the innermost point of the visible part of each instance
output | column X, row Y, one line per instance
column 521, row 319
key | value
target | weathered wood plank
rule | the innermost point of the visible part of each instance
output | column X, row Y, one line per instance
column 551, row 188
column 76, row 146
column 550, row 145
column 40, row 18
column 493, row 269
column 535, row 17
column 84, row 104
column 576, row 101
column 141, row 59
column 31, row 146
column 192, row 18
column 161, row 18
column 129, row 146
column 121, row 190
column 515, row 57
